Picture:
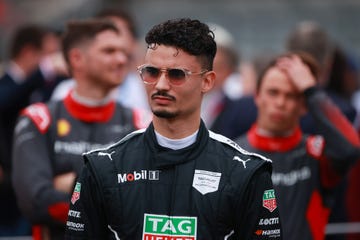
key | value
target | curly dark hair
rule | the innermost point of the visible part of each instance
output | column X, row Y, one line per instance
column 191, row 36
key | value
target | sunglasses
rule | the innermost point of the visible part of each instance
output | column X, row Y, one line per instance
column 175, row 76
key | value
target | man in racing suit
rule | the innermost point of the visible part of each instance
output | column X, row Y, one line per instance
column 50, row 138
column 306, row 169
column 175, row 179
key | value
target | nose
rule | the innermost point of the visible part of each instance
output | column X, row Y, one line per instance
column 163, row 82
column 280, row 100
column 122, row 58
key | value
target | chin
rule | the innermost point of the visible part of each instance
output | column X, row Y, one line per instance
column 164, row 114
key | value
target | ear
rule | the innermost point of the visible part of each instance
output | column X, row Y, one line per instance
column 76, row 58
column 208, row 81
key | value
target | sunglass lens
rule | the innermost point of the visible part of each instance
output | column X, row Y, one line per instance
column 176, row 76
column 151, row 72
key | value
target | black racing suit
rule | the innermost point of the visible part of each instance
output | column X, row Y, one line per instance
column 306, row 169
column 49, row 141
column 137, row 189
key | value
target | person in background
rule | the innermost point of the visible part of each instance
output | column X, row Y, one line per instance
column 175, row 179
column 312, row 38
column 227, row 86
column 219, row 108
column 306, row 168
column 50, row 138
column 29, row 69
column 131, row 92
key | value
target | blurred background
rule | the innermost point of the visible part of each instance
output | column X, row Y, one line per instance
column 258, row 26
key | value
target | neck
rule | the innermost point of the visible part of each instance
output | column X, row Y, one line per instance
column 84, row 90
column 176, row 128
column 91, row 102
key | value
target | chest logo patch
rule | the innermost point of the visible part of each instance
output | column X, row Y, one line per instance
column 163, row 227
column 269, row 200
column 206, row 181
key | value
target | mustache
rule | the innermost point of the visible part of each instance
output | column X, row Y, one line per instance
column 162, row 94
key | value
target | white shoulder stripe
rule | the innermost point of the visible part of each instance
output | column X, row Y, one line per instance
column 127, row 137
column 234, row 145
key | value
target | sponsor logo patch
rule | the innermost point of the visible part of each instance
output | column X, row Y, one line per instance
column 271, row 233
column 163, row 227
column 269, row 221
column 269, row 200
column 206, row 181
column 152, row 175
column 76, row 194
column 63, row 127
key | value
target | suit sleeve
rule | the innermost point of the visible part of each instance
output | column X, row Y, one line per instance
column 85, row 218
column 341, row 147
column 32, row 173
column 260, row 214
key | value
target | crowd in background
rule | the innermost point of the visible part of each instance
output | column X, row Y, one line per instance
column 36, row 71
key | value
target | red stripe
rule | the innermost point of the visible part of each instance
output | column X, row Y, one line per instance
column 317, row 216
column 59, row 211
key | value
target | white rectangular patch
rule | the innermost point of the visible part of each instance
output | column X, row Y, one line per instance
column 205, row 181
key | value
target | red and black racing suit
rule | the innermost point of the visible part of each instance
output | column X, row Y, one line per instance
column 306, row 169
column 49, row 141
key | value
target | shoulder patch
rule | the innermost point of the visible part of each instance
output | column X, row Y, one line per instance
column 234, row 145
column 40, row 115
column 142, row 118
column 315, row 145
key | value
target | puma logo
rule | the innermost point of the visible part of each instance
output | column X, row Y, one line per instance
column 106, row 154
column 242, row 161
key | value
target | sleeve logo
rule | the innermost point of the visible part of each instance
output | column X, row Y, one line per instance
column 76, row 194
column 269, row 200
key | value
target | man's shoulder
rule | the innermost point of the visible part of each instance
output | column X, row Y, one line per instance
column 40, row 114
column 241, row 156
column 116, row 147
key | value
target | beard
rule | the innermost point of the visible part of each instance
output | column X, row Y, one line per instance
column 164, row 114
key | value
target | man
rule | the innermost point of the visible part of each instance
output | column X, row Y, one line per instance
column 27, row 71
column 175, row 179
column 49, row 139
column 131, row 93
column 227, row 88
column 306, row 169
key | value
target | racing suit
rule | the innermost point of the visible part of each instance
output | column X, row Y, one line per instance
column 137, row 189
column 307, row 168
column 49, row 141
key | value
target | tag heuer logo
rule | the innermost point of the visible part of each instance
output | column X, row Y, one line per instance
column 162, row 227
column 269, row 201
column 76, row 194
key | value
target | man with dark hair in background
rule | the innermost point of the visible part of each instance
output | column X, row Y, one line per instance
column 50, row 138
column 29, row 69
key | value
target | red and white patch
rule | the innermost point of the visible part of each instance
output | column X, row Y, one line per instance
column 40, row 115
column 315, row 145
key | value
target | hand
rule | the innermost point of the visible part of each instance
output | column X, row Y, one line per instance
column 298, row 72
column 65, row 182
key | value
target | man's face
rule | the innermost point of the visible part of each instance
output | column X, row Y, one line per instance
column 173, row 101
column 105, row 60
column 279, row 104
